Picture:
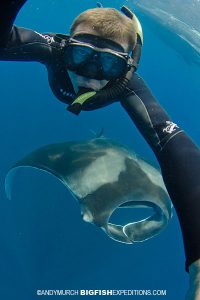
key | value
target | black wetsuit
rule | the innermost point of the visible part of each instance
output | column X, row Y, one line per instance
column 179, row 158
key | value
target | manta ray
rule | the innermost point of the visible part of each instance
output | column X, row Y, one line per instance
column 103, row 176
column 176, row 33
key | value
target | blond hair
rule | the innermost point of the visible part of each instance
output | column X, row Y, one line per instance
column 108, row 23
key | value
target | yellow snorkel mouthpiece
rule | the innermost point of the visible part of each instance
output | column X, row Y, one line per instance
column 77, row 105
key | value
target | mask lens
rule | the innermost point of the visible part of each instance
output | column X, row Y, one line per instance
column 91, row 62
column 112, row 66
column 75, row 55
column 81, row 54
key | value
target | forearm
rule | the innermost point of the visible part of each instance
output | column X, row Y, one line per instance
column 179, row 159
column 8, row 12
column 147, row 114
column 22, row 44
column 194, row 287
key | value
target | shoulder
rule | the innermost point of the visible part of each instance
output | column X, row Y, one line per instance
column 137, row 83
column 138, row 87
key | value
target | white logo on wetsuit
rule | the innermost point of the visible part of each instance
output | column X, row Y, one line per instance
column 48, row 38
column 171, row 127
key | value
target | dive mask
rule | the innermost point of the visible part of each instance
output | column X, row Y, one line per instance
column 94, row 57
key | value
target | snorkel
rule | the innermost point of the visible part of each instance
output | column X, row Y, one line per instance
column 88, row 99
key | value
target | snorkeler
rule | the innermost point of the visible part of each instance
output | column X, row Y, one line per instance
column 93, row 67
column 82, row 61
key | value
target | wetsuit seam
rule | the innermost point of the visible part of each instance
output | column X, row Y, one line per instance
column 159, row 141
column 171, row 137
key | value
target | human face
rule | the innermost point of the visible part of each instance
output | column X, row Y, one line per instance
column 82, row 81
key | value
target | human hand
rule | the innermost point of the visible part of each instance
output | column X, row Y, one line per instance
column 194, row 287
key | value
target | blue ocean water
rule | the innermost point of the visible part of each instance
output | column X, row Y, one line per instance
column 44, row 242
